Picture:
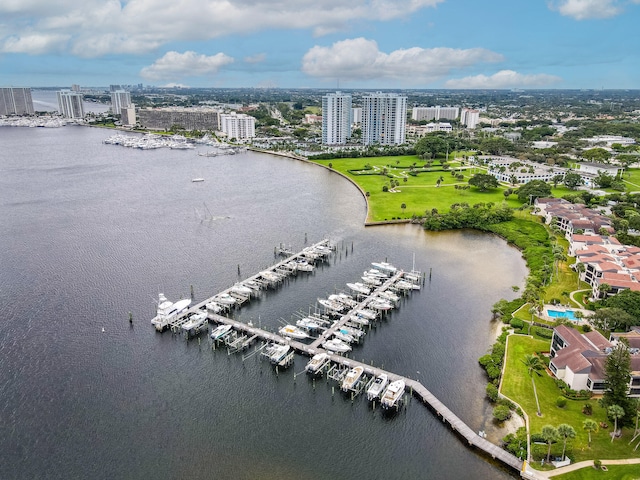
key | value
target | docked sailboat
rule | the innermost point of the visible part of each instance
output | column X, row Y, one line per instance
column 317, row 362
column 291, row 331
column 168, row 311
column 220, row 332
column 377, row 387
column 351, row 378
column 392, row 394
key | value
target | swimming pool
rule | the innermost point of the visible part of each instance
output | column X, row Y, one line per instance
column 569, row 314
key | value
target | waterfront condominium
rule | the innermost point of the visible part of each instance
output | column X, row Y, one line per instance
column 238, row 125
column 434, row 113
column 469, row 117
column 16, row 101
column 120, row 99
column 337, row 117
column 70, row 104
column 384, row 117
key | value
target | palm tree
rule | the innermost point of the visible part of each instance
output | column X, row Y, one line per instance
column 603, row 289
column 591, row 427
column 534, row 365
column 580, row 268
column 550, row 435
column 615, row 412
column 566, row 432
column 403, row 206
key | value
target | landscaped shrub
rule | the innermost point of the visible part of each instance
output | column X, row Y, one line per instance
column 501, row 413
column 516, row 323
column 492, row 392
column 587, row 409
column 544, row 332
column 561, row 402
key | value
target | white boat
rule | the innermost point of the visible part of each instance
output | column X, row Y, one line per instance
column 376, row 388
column 316, row 363
column 356, row 333
column 379, row 304
column 220, row 332
column 376, row 273
column 331, row 306
column 225, row 299
column 304, row 266
column 195, row 322
column 404, row 285
column 384, row 267
column 359, row 288
column 276, row 352
column 366, row 313
column 214, row 307
column 308, row 324
column 168, row 311
column 392, row 394
column 196, row 180
column 389, row 296
column 359, row 320
column 352, row 377
column 241, row 289
column 337, row 346
column 344, row 336
column 291, row 331
column 344, row 299
column 371, row 281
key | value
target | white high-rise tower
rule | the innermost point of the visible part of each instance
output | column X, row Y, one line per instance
column 337, row 117
column 70, row 104
column 384, row 117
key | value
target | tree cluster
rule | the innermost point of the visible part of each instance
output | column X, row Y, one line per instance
column 465, row 216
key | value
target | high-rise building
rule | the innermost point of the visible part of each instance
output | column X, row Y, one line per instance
column 469, row 117
column 128, row 115
column 120, row 99
column 384, row 117
column 434, row 113
column 70, row 104
column 16, row 101
column 356, row 113
column 238, row 125
column 200, row 118
column 336, row 118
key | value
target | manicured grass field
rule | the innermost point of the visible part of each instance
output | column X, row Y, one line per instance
column 418, row 193
column 632, row 179
column 614, row 472
column 516, row 384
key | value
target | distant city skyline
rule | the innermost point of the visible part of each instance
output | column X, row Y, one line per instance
column 453, row 44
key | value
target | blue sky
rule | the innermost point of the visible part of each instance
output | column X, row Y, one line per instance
column 322, row 43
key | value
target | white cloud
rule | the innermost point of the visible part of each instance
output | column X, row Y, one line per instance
column 35, row 44
column 587, row 9
column 187, row 64
column 504, row 79
column 100, row 27
column 360, row 59
column 257, row 58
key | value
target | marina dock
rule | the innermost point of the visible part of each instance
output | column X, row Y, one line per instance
column 242, row 335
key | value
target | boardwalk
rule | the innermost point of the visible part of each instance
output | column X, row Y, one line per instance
column 418, row 390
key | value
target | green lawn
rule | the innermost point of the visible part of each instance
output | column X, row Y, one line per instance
column 614, row 472
column 516, row 384
column 420, row 192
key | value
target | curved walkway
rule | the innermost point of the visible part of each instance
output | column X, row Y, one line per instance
column 585, row 464
column 573, row 299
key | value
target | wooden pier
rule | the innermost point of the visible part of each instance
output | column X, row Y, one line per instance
column 244, row 334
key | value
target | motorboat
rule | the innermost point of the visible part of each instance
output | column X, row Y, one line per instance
column 167, row 311
column 197, row 180
column 392, row 394
column 356, row 333
column 343, row 335
column 377, row 387
column 384, row 267
column 214, row 307
column 387, row 295
column 344, row 299
column 225, row 299
column 375, row 273
column 304, row 266
column 359, row 320
column 220, row 332
column 308, row 324
column 359, row 288
column 241, row 289
column 291, row 331
column 371, row 281
column 337, row 346
column 196, row 321
column 331, row 306
column 379, row 304
column 276, row 352
column 404, row 285
column 351, row 378
column 317, row 362
column 366, row 313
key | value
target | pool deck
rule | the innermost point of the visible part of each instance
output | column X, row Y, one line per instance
column 561, row 309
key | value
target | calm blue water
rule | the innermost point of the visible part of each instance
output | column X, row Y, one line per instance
column 92, row 232
column 569, row 314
